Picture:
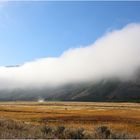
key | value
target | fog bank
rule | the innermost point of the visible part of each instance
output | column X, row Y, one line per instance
column 115, row 55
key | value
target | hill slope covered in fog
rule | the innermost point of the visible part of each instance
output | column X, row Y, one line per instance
column 107, row 70
column 105, row 90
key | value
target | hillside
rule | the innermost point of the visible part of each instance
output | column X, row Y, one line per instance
column 104, row 90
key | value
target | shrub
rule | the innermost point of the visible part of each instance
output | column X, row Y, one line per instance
column 60, row 129
column 46, row 129
column 74, row 133
column 10, row 129
column 102, row 132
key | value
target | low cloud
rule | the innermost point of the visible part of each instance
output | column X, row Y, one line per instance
column 114, row 55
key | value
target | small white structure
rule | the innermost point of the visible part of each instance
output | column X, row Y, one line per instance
column 41, row 100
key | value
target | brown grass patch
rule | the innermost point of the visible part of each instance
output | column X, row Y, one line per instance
column 117, row 116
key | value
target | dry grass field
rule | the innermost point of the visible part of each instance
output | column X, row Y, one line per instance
column 120, row 118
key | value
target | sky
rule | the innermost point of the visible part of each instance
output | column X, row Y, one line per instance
column 33, row 30
column 44, row 44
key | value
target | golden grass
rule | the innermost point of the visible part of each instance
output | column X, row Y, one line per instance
column 119, row 116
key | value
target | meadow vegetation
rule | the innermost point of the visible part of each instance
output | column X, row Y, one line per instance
column 71, row 120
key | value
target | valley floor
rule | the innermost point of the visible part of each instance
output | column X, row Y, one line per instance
column 121, row 119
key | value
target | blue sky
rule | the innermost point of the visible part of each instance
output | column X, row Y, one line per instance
column 32, row 30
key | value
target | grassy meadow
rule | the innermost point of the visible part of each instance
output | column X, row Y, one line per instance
column 69, row 120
